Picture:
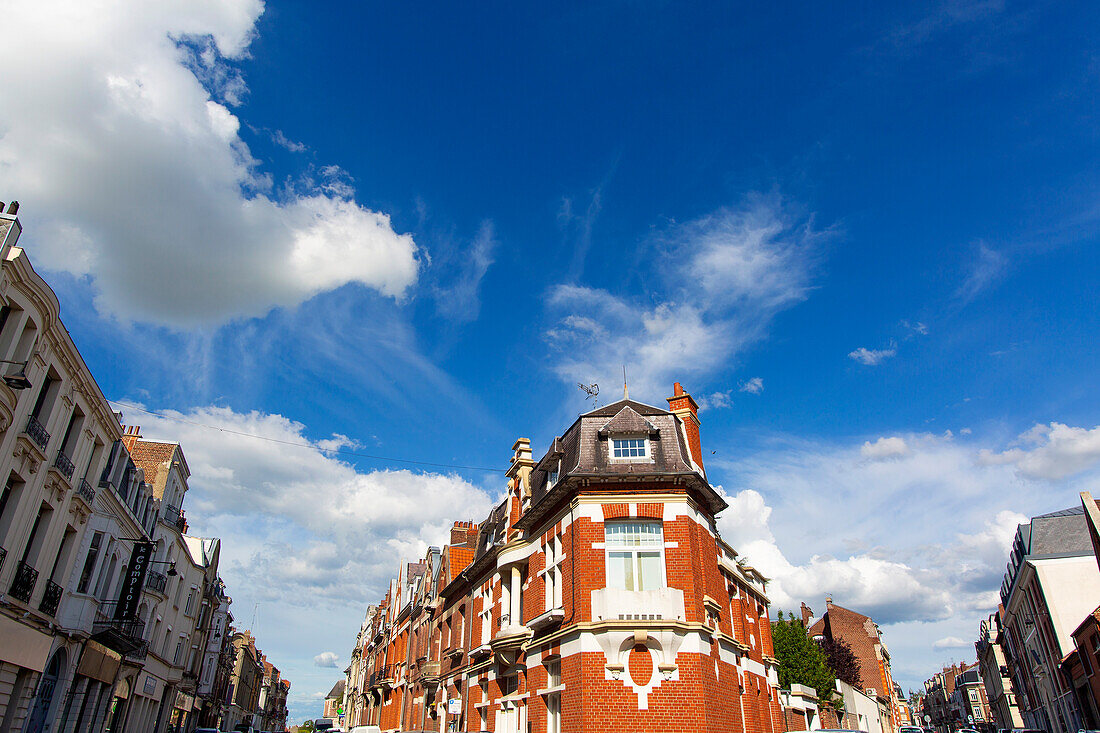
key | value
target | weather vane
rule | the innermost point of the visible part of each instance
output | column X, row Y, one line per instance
column 592, row 390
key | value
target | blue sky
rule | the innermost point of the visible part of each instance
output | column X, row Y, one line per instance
column 864, row 237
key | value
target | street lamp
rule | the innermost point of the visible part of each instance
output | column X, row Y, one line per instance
column 19, row 380
column 171, row 573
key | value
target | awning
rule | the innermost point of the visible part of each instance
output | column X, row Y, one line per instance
column 23, row 646
column 98, row 662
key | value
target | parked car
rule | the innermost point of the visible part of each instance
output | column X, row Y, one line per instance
column 366, row 729
column 910, row 729
column 207, row 730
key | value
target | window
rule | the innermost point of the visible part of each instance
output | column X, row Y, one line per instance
column 553, row 673
column 635, row 555
column 553, row 713
column 553, row 574
column 89, row 563
column 177, row 659
column 189, row 608
column 626, row 448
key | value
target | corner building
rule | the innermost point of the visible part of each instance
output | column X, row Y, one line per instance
column 597, row 597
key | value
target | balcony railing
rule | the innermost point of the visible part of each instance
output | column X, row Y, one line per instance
column 37, row 433
column 22, row 586
column 122, row 635
column 85, row 491
column 155, row 581
column 173, row 516
column 51, row 599
column 64, row 464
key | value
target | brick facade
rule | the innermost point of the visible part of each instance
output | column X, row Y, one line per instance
column 542, row 619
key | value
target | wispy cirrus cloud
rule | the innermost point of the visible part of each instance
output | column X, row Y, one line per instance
column 984, row 270
column 718, row 282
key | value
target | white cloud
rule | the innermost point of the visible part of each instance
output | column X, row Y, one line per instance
column 753, row 386
column 280, row 139
column 715, row 400
column 916, row 327
column 460, row 300
column 884, row 448
column 257, row 493
column 718, row 282
column 1055, row 451
column 132, row 171
column 871, row 357
column 951, row 642
column 326, row 659
column 918, row 541
column 984, row 271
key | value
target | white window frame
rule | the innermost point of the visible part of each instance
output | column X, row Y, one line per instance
column 552, row 573
column 653, row 545
column 645, row 446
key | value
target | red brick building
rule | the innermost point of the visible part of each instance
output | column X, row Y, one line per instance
column 597, row 596
column 861, row 633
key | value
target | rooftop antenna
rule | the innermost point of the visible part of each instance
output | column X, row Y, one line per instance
column 626, row 395
column 592, row 390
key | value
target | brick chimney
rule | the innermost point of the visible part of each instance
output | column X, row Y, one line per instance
column 460, row 533
column 131, row 436
column 807, row 615
column 683, row 406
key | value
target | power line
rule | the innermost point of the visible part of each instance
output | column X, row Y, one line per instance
column 341, row 451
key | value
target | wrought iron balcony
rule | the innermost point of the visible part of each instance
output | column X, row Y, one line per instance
column 51, row 599
column 64, row 464
column 155, row 581
column 37, row 432
column 122, row 635
column 139, row 653
column 85, row 491
column 173, row 516
column 22, row 586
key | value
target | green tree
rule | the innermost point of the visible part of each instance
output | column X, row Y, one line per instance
column 801, row 660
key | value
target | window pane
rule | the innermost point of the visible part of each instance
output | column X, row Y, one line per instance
column 649, row 570
column 619, row 571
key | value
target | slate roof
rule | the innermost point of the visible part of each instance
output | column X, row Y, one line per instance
column 336, row 691
column 1061, row 533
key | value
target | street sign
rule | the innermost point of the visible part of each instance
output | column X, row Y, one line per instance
column 454, row 706
column 927, row 718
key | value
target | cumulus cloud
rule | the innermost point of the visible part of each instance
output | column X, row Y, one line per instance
column 1052, row 452
column 719, row 282
column 951, row 642
column 912, row 529
column 753, row 386
column 871, row 357
column 257, row 492
column 884, row 448
column 129, row 161
column 326, row 659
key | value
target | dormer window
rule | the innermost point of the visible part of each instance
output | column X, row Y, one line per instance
column 629, row 449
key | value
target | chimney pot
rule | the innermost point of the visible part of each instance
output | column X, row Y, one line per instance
column 677, row 389
column 13, row 207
